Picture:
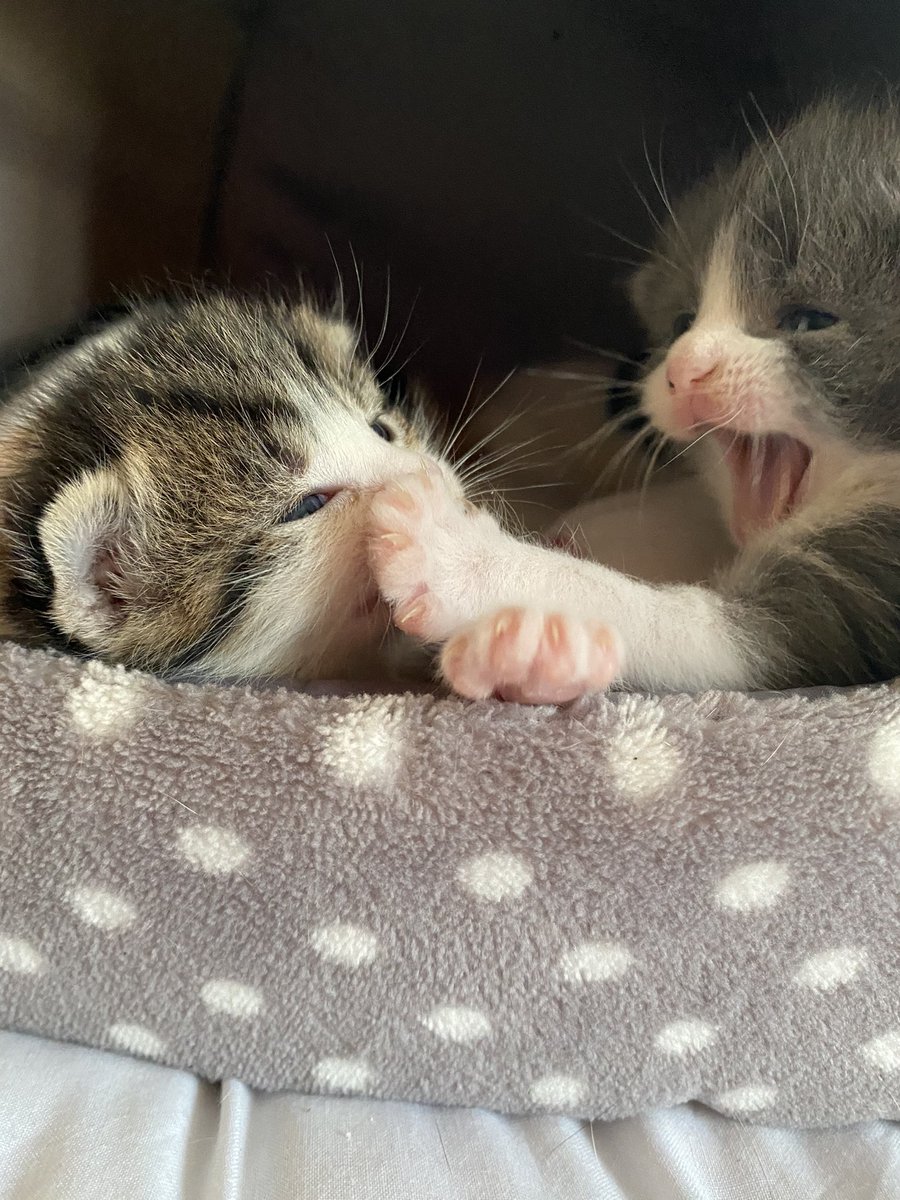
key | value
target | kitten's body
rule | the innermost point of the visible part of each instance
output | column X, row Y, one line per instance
column 781, row 278
column 160, row 488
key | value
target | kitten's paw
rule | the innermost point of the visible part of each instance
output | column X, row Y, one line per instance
column 531, row 657
column 424, row 541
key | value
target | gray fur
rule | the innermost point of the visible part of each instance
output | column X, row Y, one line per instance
column 814, row 213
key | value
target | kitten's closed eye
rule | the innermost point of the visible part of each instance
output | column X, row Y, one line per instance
column 798, row 319
column 306, row 507
column 383, row 431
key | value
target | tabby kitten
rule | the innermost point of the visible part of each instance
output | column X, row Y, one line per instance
column 187, row 491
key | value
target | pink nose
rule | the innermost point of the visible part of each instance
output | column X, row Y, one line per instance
column 688, row 376
column 685, row 371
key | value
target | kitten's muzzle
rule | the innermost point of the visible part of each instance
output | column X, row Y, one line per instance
column 692, row 381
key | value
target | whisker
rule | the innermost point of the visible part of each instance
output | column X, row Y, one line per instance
column 780, row 154
column 384, row 323
column 636, row 245
column 604, row 352
column 399, row 342
column 772, row 179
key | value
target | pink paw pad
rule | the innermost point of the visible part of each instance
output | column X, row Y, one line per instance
column 407, row 517
column 531, row 657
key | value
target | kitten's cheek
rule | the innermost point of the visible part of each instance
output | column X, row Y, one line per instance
column 656, row 404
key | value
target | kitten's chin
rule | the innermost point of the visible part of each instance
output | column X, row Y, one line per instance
column 769, row 476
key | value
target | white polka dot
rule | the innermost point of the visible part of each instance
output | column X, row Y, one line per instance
column 884, row 1051
column 753, row 1098
column 136, row 1039
column 495, row 876
column 757, row 885
column 558, row 1091
column 20, row 956
column 213, row 849
column 830, row 968
column 104, row 909
column 231, row 998
column 641, row 757
column 456, row 1023
column 685, row 1037
column 349, row 945
column 884, row 759
column 101, row 707
column 593, row 962
column 343, row 1074
column 365, row 745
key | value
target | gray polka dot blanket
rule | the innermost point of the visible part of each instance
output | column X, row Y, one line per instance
column 632, row 902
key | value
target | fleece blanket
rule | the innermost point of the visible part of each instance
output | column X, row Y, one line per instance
column 633, row 902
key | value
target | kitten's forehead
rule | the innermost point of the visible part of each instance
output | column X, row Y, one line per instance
column 243, row 347
column 821, row 197
column 720, row 299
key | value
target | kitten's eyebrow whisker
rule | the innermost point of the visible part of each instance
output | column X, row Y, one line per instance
column 661, row 190
column 768, row 228
column 384, row 323
column 784, row 164
column 775, row 188
column 399, row 342
column 340, row 278
column 660, row 228
column 359, row 323
column 637, row 245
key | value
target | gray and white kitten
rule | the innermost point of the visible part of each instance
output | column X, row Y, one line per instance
column 773, row 304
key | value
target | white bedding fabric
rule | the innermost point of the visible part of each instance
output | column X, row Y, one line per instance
column 79, row 1124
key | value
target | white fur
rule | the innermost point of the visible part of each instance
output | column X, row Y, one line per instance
column 300, row 617
column 84, row 517
column 748, row 391
column 677, row 638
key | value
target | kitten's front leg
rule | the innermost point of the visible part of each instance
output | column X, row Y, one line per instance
column 445, row 568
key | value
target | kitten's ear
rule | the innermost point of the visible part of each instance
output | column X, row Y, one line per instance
column 656, row 301
column 327, row 334
column 342, row 338
column 641, row 287
column 88, row 539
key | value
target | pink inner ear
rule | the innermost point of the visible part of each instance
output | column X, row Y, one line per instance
column 109, row 579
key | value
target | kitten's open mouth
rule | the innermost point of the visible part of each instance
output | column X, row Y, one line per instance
column 767, row 478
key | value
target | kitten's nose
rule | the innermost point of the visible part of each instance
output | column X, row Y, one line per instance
column 685, row 371
column 691, row 379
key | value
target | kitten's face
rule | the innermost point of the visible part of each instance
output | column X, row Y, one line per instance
column 774, row 305
column 188, row 491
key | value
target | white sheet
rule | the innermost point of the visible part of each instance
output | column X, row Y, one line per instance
column 79, row 1124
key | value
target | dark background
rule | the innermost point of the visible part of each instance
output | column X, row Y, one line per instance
column 480, row 153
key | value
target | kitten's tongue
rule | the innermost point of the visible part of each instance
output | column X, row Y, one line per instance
column 766, row 477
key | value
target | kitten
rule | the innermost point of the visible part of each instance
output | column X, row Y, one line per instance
column 773, row 305
column 186, row 491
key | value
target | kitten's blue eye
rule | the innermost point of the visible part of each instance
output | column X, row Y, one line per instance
column 797, row 319
column 382, row 431
column 682, row 324
column 306, row 507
